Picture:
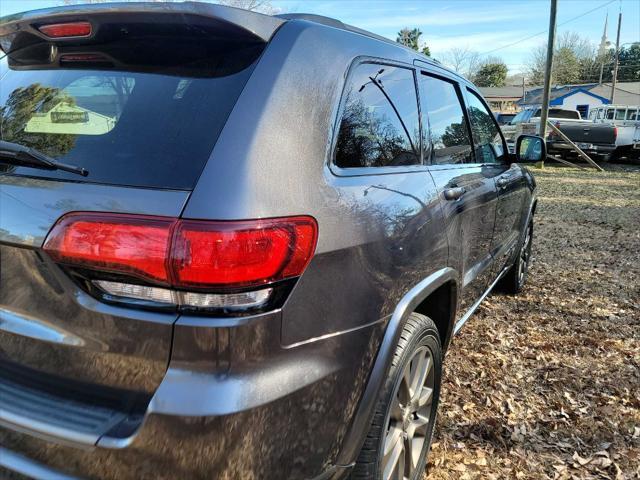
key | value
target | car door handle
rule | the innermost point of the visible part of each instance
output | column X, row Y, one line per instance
column 502, row 182
column 454, row 193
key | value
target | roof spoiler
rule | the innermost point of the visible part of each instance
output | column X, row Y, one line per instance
column 235, row 21
column 200, row 39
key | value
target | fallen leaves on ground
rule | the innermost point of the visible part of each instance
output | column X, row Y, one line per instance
column 546, row 384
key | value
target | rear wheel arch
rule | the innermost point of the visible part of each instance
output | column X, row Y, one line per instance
column 446, row 279
column 440, row 306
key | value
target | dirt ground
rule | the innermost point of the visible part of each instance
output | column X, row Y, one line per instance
column 546, row 385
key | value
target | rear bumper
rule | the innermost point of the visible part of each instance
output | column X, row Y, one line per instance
column 281, row 414
column 588, row 148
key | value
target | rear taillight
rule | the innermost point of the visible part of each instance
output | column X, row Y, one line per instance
column 66, row 30
column 615, row 133
column 126, row 244
column 183, row 262
column 241, row 253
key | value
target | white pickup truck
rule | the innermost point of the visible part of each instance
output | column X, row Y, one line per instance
column 626, row 119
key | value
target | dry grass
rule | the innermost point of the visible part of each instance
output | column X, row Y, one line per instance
column 546, row 385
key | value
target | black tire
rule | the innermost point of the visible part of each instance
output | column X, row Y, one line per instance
column 513, row 281
column 616, row 155
column 418, row 336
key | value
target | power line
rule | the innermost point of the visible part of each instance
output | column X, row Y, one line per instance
column 544, row 31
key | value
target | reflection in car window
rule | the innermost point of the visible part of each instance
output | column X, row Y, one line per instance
column 125, row 128
column 449, row 134
column 486, row 136
column 90, row 105
column 380, row 122
column 600, row 113
column 632, row 114
column 610, row 114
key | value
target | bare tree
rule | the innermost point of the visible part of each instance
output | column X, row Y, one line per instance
column 262, row 6
column 575, row 58
column 463, row 60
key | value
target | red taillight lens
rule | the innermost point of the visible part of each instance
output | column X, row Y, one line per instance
column 127, row 244
column 65, row 30
column 615, row 133
column 185, row 253
column 239, row 253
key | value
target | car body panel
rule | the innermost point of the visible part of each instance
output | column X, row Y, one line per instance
column 48, row 322
column 469, row 224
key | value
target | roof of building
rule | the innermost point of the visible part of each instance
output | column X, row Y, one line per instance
column 534, row 96
column 627, row 93
column 501, row 92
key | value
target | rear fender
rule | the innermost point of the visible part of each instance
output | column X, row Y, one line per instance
column 363, row 416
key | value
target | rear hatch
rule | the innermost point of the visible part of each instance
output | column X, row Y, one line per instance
column 135, row 94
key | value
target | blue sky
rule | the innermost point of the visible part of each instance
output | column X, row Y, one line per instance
column 483, row 26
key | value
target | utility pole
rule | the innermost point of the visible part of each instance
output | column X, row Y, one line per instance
column 615, row 65
column 544, row 110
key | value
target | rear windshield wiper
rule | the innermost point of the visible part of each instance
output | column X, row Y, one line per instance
column 16, row 154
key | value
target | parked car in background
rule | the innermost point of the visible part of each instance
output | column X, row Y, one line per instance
column 238, row 259
column 596, row 140
column 504, row 118
column 626, row 119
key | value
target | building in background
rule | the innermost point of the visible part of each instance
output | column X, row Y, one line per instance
column 503, row 99
column 583, row 97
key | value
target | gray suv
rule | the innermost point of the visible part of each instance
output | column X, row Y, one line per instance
column 238, row 246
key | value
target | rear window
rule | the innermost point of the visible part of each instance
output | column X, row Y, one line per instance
column 560, row 113
column 519, row 118
column 126, row 128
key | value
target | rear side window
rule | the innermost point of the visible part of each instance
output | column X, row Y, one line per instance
column 450, row 138
column 380, row 124
column 125, row 128
column 486, row 134
column 610, row 113
column 632, row 114
column 620, row 113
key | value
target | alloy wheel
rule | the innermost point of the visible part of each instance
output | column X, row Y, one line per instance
column 525, row 256
column 409, row 420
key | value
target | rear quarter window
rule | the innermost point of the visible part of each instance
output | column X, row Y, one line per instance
column 379, row 124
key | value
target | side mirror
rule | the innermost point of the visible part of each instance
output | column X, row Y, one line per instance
column 530, row 149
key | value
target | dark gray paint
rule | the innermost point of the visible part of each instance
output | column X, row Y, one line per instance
column 305, row 378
